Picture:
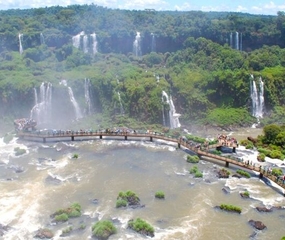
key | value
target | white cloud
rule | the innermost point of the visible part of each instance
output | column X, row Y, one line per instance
column 241, row 9
column 144, row 4
column 184, row 7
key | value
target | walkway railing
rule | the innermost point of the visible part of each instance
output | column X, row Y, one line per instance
column 153, row 135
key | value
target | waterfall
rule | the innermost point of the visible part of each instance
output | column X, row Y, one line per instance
column 231, row 40
column 237, row 41
column 20, row 43
column 87, row 95
column 76, row 40
column 137, row 45
column 42, row 39
column 122, row 111
column 257, row 97
column 41, row 112
column 153, row 43
column 240, row 45
column 163, row 115
column 85, row 44
column 173, row 116
column 94, row 43
column 78, row 113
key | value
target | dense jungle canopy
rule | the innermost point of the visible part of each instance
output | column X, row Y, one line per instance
column 203, row 59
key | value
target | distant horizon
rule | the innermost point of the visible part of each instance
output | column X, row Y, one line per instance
column 254, row 7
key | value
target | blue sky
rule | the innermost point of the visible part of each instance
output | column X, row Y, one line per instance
column 247, row 6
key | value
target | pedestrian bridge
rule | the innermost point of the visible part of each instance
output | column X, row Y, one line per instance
column 200, row 150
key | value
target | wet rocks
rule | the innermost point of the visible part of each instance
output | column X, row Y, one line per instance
column 44, row 233
column 257, row 224
column 263, row 209
column 223, row 173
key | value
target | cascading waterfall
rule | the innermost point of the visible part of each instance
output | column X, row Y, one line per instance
column 257, row 97
column 163, row 115
column 85, row 44
column 122, row 111
column 20, row 43
column 76, row 40
column 173, row 116
column 153, row 43
column 41, row 112
column 240, row 46
column 78, row 113
column 237, row 41
column 87, row 95
column 231, row 40
column 137, row 45
column 42, row 39
column 94, row 43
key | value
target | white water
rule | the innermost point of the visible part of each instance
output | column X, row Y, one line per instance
column 77, row 110
column 122, row 111
column 173, row 116
column 85, row 44
column 137, row 45
column 76, row 40
column 20, row 43
column 237, row 41
column 257, row 97
column 94, row 43
column 87, row 95
column 42, row 39
column 41, row 112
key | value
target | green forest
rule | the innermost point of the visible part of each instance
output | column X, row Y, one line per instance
column 205, row 60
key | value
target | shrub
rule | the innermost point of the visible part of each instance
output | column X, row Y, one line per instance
column 75, row 155
column 230, row 208
column 64, row 214
column 276, row 154
column 63, row 217
column 249, row 146
column 67, row 230
column 261, row 157
column 277, row 172
column 103, row 229
column 198, row 174
column 130, row 197
column 19, row 151
column 160, row 195
column 245, row 194
column 141, row 227
column 193, row 159
column 243, row 173
column 216, row 152
column 195, row 138
column 193, row 170
column 121, row 203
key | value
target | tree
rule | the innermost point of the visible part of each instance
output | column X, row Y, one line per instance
column 270, row 133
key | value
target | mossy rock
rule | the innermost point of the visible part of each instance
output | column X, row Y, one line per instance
column 160, row 195
column 141, row 227
column 103, row 229
column 230, row 208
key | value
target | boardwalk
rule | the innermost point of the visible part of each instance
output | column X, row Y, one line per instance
column 87, row 135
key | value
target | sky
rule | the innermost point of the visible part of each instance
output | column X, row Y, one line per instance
column 265, row 7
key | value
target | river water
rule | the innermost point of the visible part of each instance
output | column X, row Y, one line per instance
column 46, row 178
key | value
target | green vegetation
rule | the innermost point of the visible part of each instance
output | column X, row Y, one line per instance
column 197, row 174
column 277, row 172
column 160, row 195
column 243, row 173
column 127, row 198
column 103, row 229
column 75, row 155
column 67, row 230
column 63, row 215
column 8, row 137
column 216, row 152
column 230, row 208
column 141, row 227
column 245, row 194
column 193, row 159
column 19, row 151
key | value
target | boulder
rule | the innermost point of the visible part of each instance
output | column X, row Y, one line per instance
column 44, row 233
column 263, row 209
column 222, row 173
column 257, row 224
column 253, row 140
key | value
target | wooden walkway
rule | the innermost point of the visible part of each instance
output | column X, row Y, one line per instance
column 151, row 136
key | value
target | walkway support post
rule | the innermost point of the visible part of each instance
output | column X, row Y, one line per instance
column 150, row 139
column 260, row 175
column 234, row 149
column 72, row 138
column 100, row 136
column 126, row 137
column 227, row 164
column 178, row 145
